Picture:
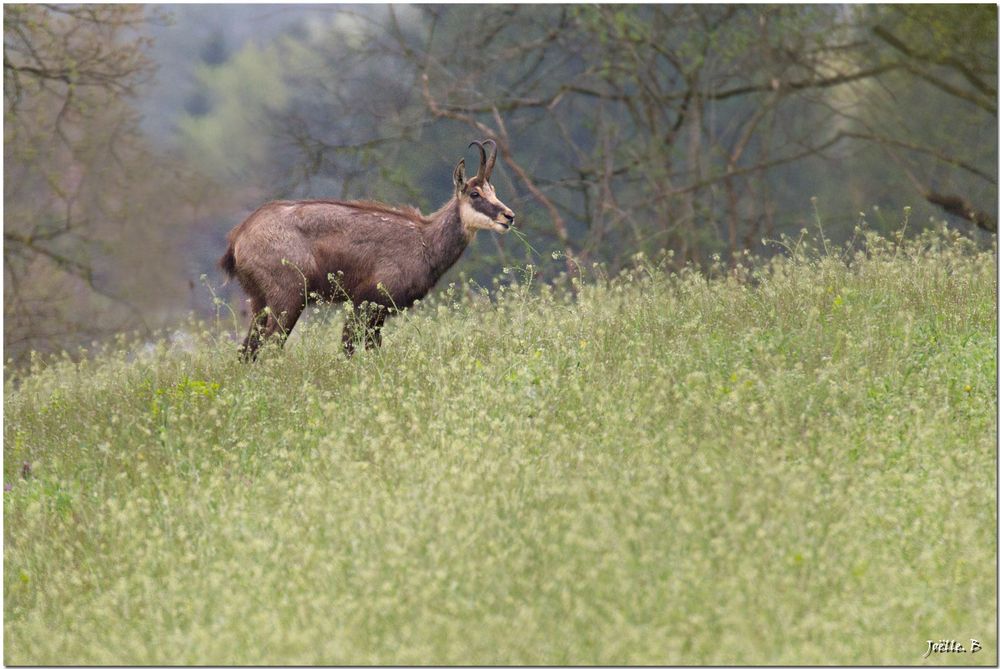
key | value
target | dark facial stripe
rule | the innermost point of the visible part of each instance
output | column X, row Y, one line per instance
column 481, row 205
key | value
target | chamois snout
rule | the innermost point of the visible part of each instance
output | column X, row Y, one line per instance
column 509, row 215
column 504, row 219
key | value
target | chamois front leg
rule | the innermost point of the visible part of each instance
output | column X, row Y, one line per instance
column 364, row 324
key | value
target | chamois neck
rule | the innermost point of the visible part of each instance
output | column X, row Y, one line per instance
column 445, row 238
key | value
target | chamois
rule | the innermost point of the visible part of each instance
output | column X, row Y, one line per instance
column 359, row 251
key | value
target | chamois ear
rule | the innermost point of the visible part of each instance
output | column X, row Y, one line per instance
column 458, row 178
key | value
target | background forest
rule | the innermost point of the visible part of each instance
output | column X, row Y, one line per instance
column 135, row 137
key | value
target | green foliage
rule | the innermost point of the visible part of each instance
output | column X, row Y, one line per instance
column 181, row 393
column 941, row 32
column 785, row 462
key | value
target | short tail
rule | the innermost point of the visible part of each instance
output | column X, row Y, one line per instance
column 228, row 263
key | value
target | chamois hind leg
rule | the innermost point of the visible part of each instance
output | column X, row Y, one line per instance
column 283, row 316
column 270, row 316
column 248, row 350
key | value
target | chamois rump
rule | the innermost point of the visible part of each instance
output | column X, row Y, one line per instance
column 358, row 251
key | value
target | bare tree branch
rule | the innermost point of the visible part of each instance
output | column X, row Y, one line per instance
column 949, row 61
column 959, row 206
column 926, row 150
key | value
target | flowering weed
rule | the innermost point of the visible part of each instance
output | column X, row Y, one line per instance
column 792, row 462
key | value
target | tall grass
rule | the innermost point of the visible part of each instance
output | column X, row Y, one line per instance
column 784, row 462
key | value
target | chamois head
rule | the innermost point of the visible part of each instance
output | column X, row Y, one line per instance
column 478, row 206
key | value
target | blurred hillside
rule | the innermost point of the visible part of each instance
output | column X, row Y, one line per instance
column 136, row 137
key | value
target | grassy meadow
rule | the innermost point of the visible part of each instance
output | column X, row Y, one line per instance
column 789, row 462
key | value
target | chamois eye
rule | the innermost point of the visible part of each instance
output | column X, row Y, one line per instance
column 474, row 194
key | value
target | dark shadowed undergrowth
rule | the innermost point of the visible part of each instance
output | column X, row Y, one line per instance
column 788, row 462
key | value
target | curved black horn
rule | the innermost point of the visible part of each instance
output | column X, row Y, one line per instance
column 492, row 160
column 482, row 159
